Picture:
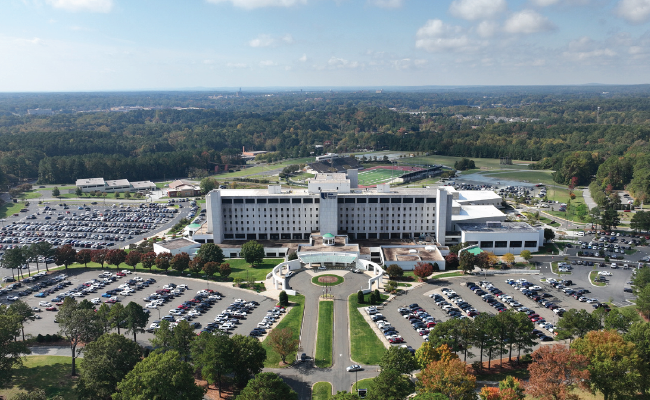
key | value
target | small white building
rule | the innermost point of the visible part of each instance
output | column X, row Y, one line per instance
column 176, row 246
column 502, row 237
column 113, row 186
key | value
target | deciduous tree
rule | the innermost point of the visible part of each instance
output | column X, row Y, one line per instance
column 423, row 269
column 576, row 323
column 224, row 270
column 210, row 268
column 78, row 325
column 11, row 351
column 106, row 362
column 399, row 359
column 252, row 252
column 389, row 385
column 613, row 363
column 99, row 257
column 394, row 271
column 116, row 257
column 466, row 261
column 555, row 371
column 133, row 258
column 24, row 313
column 428, row 353
column 267, row 386
column 210, row 252
column 180, row 262
column 117, row 316
column 213, row 356
column 283, row 343
column 163, row 261
column 451, row 378
column 135, row 319
column 160, row 376
column 65, row 255
column 84, row 256
column 148, row 260
column 250, row 356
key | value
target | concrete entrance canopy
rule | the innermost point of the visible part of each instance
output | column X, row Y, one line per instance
column 327, row 257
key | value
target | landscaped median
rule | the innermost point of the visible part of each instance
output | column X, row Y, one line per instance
column 323, row 357
column 321, row 391
column 327, row 280
column 365, row 346
column 293, row 321
column 592, row 278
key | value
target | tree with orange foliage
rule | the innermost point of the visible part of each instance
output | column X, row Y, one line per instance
column 489, row 393
column 613, row 363
column 509, row 389
column 428, row 353
column 555, row 372
column 451, row 378
column 423, row 269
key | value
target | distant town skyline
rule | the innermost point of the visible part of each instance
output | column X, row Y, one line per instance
column 88, row 45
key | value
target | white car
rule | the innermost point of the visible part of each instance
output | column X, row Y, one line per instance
column 592, row 301
column 182, row 287
column 126, row 271
column 353, row 368
column 45, row 304
column 151, row 305
column 138, row 279
column 125, row 293
column 96, row 300
column 194, row 313
column 604, row 273
column 289, row 274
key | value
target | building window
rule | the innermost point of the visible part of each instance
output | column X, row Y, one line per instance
column 530, row 243
column 487, row 244
column 501, row 244
column 515, row 243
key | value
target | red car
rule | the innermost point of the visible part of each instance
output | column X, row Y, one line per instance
column 536, row 319
column 533, row 316
column 182, row 307
column 120, row 274
column 60, row 303
column 396, row 340
column 52, row 309
column 431, row 324
column 111, row 301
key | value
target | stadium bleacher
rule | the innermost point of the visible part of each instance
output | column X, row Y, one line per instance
column 341, row 164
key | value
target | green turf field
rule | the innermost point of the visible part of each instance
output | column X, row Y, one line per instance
column 377, row 176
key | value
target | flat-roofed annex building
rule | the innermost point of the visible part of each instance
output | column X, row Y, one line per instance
column 113, row 186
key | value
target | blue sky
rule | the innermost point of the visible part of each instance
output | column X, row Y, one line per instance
column 81, row 45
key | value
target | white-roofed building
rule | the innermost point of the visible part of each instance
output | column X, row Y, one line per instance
column 113, row 186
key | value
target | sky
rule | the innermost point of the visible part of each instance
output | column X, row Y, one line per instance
column 112, row 45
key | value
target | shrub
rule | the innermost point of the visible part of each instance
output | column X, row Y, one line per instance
column 360, row 298
column 284, row 298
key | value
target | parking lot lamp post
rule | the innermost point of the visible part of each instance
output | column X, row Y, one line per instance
column 356, row 378
column 158, row 308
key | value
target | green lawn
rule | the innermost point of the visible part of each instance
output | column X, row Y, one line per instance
column 339, row 280
column 365, row 346
column 161, row 185
column 555, row 269
column 362, row 384
column 247, row 172
column 321, row 391
column 50, row 373
column 30, row 195
column 8, row 209
column 447, row 275
column 377, row 176
column 325, row 334
column 593, row 275
column 544, row 177
column 293, row 321
column 489, row 163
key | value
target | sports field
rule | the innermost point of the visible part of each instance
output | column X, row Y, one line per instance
column 377, row 175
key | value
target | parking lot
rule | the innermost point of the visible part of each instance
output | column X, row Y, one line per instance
column 92, row 226
column 531, row 295
column 73, row 283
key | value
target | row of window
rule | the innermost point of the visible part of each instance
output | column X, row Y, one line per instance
column 394, row 200
column 501, row 244
column 294, row 200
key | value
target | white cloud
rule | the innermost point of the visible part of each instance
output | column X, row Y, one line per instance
column 102, row 6
column 268, row 63
column 237, row 65
column 477, row 9
column 265, row 40
column 528, row 21
column 336, row 62
column 585, row 48
column 30, row 42
column 487, row 28
column 545, row 3
column 251, row 4
column 635, row 11
column 303, row 58
column 387, row 3
column 436, row 36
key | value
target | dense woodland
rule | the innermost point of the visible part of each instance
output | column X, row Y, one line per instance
column 569, row 133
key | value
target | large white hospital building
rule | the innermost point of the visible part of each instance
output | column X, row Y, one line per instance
column 334, row 204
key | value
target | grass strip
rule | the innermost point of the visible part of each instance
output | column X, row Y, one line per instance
column 362, row 384
column 365, row 346
column 50, row 373
column 293, row 321
column 325, row 334
column 447, row 275
column 592, row 276
column 321, row 391
column 339, row 280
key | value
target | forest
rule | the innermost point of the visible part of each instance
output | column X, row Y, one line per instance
column 587, row 132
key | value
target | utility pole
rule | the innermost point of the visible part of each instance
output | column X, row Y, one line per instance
column 598, row 116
